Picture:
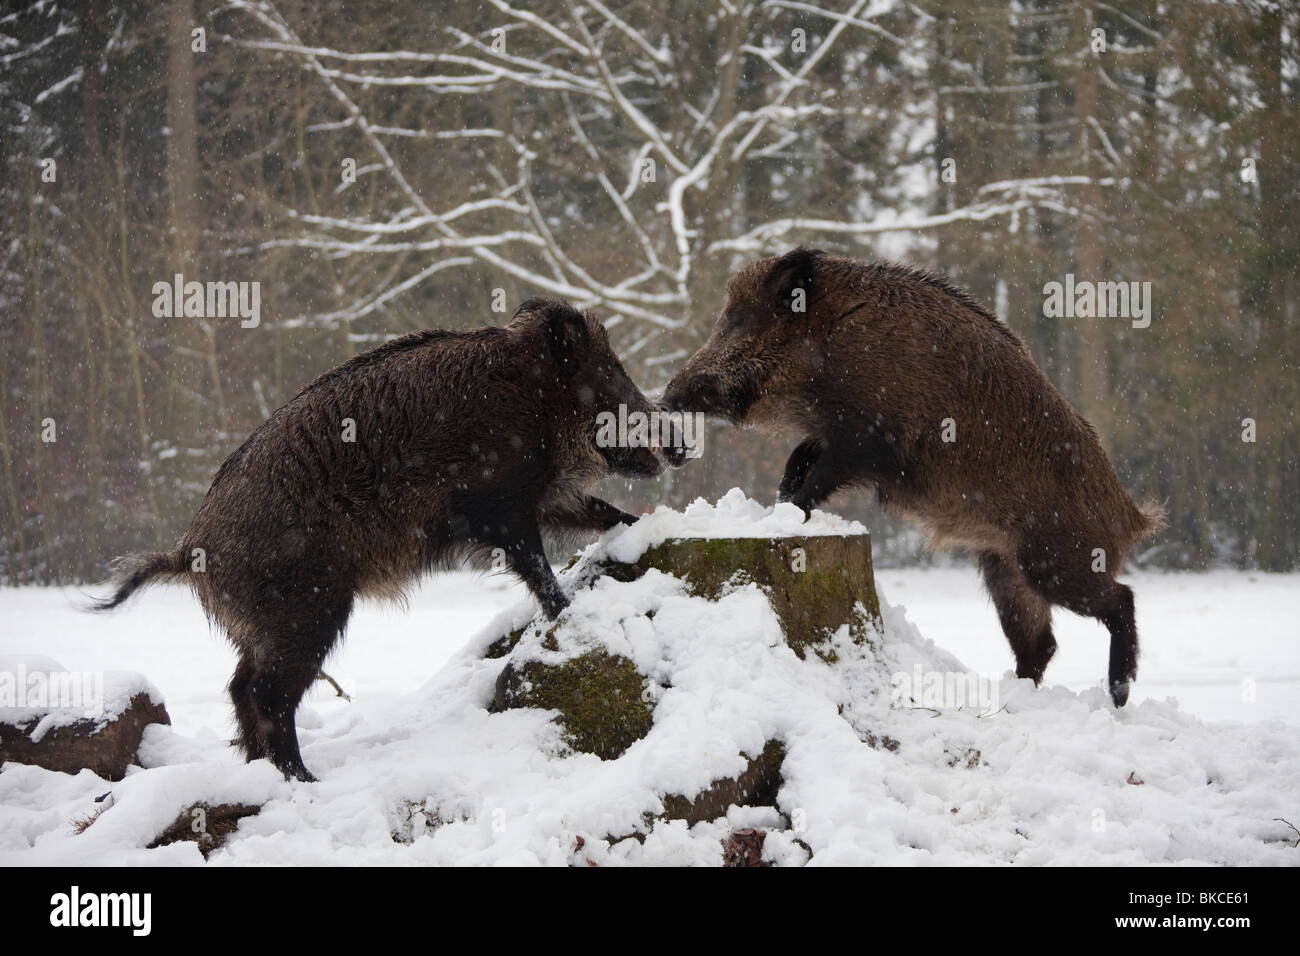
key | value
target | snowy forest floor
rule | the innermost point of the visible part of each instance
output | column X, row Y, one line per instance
column 1203, row 636
column 1221, row 644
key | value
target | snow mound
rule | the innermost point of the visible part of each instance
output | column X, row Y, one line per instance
column 734, row 516
column 882, row 765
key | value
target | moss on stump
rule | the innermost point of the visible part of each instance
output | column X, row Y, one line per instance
column 598, row 695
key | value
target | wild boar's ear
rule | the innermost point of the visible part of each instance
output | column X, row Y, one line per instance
column 794, row 270
column 535, row 306
column 566, row 334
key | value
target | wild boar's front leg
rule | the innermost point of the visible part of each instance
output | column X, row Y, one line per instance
column 527, row 559
column 829, row 471
column 512, row 526
column 857, row 453
column 796, row 468
column 587, row 514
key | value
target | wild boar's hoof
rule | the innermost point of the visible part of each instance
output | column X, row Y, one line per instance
column 296, row 772
column 553, row 605
column 804, row 506
column 1119, row 692
column 1033, row 663
column 790, row 492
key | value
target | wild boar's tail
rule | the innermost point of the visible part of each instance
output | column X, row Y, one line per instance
column 1150, row 518
column 136, row 570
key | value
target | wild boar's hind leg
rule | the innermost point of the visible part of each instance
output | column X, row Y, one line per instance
column 1121, row 621
column 251, row 739
column 276, row 667
column 1026, row 616
column 1073, row 584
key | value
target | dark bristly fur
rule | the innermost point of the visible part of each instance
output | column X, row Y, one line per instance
column 465, row 442
column 868, row 374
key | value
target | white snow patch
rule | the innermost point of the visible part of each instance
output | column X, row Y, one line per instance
column 865, row 780
column 734, row 516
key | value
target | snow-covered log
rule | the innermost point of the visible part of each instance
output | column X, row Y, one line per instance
column 72, row 721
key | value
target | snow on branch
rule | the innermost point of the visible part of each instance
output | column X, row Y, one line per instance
column 761, row 238
column 850, row 19
column 654, row 143
column 809, row 63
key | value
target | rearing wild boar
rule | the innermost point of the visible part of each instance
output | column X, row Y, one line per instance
column 899, row 381
column 432, row 447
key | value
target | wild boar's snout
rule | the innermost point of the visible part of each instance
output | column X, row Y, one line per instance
column 695, row 389
column 644, row 461
column 726, row 375
column 677, row 392
column 672, row 435
column 625, row 432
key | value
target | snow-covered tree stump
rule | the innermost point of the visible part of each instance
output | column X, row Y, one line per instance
column 817, row 585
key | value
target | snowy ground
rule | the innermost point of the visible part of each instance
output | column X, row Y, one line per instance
column 1224, row 644
column 1211, row 730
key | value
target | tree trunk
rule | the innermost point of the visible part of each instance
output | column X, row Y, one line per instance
column 1274, row 391
column 1093, row 331
column 190, row 344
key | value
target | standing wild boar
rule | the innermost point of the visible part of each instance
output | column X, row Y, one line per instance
column 430, row 448
column 899, row 381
